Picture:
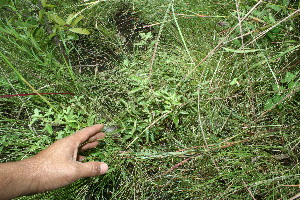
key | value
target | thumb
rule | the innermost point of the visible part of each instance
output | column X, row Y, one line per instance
column 93, row 169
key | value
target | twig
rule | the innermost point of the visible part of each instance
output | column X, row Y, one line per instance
column 266, row 31
column 229, row 144
column 251, row 194
column 156, row 44
column 202, row 131
column 178, row 164
column 295, row 197
column 220, row 43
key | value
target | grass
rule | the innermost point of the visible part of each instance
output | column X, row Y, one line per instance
column 207, row 108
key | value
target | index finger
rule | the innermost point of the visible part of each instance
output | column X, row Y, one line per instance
column 85, row 133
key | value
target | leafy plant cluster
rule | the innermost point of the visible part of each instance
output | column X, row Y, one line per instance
column 197, row 110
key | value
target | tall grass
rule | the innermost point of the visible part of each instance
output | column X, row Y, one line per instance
column 208, row 110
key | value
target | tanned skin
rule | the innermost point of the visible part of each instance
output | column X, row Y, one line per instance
column 55, row 167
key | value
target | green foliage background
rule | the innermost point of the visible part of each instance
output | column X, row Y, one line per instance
column 205, row 106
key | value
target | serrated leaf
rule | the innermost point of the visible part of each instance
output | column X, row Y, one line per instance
column 80, row 31
column 77, row 20
column 58, row 20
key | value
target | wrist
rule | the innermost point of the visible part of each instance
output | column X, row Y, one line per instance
column 16, row 179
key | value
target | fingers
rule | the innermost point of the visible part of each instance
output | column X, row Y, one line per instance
column 87, row 133
column 92, row 142
column 98, row 136
column 93, row 168
column 89, row 145
column 80, row 158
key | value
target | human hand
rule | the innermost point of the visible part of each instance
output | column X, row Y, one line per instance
column 60, row 164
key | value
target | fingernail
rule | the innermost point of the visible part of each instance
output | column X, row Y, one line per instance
column 103, row 168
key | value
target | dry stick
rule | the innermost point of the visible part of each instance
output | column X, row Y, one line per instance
column 295, row 197
column 202, row 131
column 229, row 144
column 251, row 194
column 215, row 98
column 220, row 43
column 156, row 44
column 292, row 185
column 240, row 22
column 264, row 32
column 178, row 164
column 249, row 81
column 257, row 30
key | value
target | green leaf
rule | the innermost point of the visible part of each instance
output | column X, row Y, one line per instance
column 58, row 20
column 48, row 128
column 273, row 101
column 77, row 20
column 242, row 51
column 276, row 99
column 41, row 15
column 269, row 104
column 50, row 6
column 183, row 112
column 277, row 88
column 274, row 7
column 4, row 2
column 271, row 18
column 234, row 81
column 293, row 85
column 70, row 18
column 73, row 37
column 126, row 62
column 80, row 31
column 44, row 3
column 136, row 90
column 27, row 24
column 288, row 77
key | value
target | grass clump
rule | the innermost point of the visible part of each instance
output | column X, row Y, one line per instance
column 202, row 105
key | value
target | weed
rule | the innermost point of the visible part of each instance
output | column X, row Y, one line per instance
column 204, row 105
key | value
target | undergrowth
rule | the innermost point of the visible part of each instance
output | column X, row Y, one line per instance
column 202, row 105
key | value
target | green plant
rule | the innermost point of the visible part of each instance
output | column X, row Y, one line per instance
column 290, row 84
column 61, row 25
column 203, row 108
